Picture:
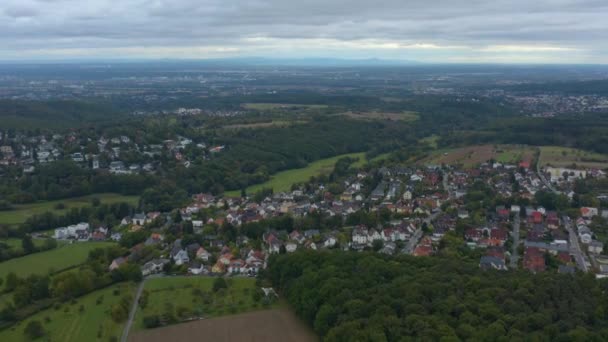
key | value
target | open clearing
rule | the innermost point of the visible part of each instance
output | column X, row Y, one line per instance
column 273, row 123
column 94, row 323
column 50, row 261
column 566, row 157
column 23, row 211
column 264, row 326
column 474, row 155
column 288, row 106
column 194, row 297
column 399, row 116
column 283, row 180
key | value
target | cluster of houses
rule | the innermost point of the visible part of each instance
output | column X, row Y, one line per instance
column 100, row 153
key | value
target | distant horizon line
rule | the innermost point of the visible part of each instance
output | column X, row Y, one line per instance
column 275, row 61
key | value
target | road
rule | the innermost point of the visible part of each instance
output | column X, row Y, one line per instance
column 514, row 255
column 411, row 244
column 125, row 332
column 545, row 181
column 575, row 248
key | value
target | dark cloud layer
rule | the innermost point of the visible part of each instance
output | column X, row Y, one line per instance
column 439, row 30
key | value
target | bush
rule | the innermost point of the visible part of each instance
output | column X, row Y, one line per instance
column 95, row 201
column 152, row 321
column 60, row 206
column 219, row 283
column 34, row 330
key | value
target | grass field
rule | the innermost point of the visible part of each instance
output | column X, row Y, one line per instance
column 565, row 157
column 276, row 325
column 76, row 326
column 471, row 156
column 272, row 106
column 432, row 140
column 179, row 294
column 390, row 116
column 23, row 211
column 273, row 123
column 49, row 261
column 282, row 181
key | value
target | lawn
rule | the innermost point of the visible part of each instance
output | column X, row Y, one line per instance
column 282, row 181
column 50, row 261
column 23, row 211
column 565, row 157
column 195, row 296
column 67, row 323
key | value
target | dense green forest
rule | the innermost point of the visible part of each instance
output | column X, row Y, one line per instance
column 53, row 113
column 369, row 297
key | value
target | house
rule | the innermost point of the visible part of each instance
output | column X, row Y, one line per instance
column 596, row 247
column 153, row 266
column 588, row 212
column 488, row 262
column 202, row 254
column 218, row 268
column 291, row 247
column 139, row 219
column 197, row 268
column 116, row 263
column 181, row 257
column 534, row 260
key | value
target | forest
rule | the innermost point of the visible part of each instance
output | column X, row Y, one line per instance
column 370, row 297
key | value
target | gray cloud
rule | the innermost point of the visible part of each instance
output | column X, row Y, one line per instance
column 454, row 30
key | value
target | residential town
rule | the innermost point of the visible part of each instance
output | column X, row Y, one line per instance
column 414, row 209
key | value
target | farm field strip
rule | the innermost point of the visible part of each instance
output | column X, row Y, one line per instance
column 53, row 260
column 68, row 323
column 21, row 212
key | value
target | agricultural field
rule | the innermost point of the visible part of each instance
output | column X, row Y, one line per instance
column 187, row 297
column 275, row 325
column 400, row 116
column 471, row 156
column 282, row 106
column 68, row 323
column 21, row 212
column 50, row 261
column 565, row 157
column 282, row 181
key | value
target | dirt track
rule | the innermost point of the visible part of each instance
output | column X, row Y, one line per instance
column 264, row 326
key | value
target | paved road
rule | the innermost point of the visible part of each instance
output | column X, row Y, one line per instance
column 514, row 255
column 575, row 248
column 544, row 180
column 125, row 332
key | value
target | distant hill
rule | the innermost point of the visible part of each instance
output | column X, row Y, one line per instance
column 52, row 114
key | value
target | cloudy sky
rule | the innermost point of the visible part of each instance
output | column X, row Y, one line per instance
column 504, row 31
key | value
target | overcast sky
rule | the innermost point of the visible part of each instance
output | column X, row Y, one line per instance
column 506, row 31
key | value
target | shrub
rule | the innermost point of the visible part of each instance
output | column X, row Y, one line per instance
column 34, row 330
column 152, row 321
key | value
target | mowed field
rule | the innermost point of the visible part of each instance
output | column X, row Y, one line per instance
column 565, row 157
column 69, row 324
column 276, row 325
column 50, row 261
column 23, row 211
column 195, row 296
column 474, row 155
column 388, row 116
column 282, row 181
